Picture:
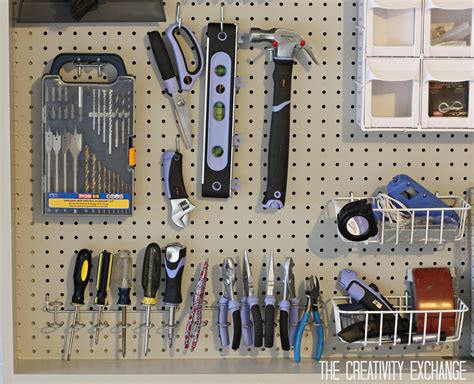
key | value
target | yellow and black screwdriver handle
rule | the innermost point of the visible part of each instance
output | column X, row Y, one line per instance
column 82, row 272
column 104, row 273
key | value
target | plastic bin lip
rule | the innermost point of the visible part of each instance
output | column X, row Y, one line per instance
column 112, row 11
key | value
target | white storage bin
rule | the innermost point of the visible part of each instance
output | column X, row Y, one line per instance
column 391, row 93
column 360, row 65
column 393, row 27
column 448, row 28
column 459, row 75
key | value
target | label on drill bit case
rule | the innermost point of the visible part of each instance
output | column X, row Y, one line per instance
column 86, row 201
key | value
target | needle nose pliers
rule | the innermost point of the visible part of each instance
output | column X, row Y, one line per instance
column 312, row 294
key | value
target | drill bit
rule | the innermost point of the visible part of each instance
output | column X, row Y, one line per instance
column 80, row 101
column 99, row 177
column 104, row 115
column 75, row 149
column 93, row 108
column 110, row 121
column 65, row 144
column 94, row 173
column 48, row 145
column 98, row 111
column 56, row 150
column 86, row 169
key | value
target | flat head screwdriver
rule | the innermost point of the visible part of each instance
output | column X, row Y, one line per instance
column 104, row 272
column 151, row 276
column 175, row 256
column 123, row 280
column 82, row 272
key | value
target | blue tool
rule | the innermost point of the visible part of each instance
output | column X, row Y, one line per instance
column 413, row 195
column 312, row 302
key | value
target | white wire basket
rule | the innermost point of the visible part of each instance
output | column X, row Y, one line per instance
column 401, row 304
column 414, row 225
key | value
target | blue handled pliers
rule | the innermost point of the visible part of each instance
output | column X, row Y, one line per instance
column 312, row 294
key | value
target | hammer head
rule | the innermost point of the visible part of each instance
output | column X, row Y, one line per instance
column 284, row 41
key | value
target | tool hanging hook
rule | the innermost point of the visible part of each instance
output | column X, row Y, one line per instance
column 222, row 18
column 178, row 14
column 177, row 143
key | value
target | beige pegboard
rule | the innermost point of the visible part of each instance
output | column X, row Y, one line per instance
column 329, row 157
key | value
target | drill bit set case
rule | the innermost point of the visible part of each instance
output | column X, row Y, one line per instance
column 87, row 129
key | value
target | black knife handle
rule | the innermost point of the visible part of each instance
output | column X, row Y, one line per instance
column 269, row 325
column 162, row 57
column 279, row 135
column 82, row 272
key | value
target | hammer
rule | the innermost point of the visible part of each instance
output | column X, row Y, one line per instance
column 284, row 44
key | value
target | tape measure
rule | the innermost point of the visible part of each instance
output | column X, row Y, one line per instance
column 356, row 221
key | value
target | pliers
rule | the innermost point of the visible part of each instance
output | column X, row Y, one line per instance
column 250, row 306
column 312, row 302
column 288, row 308
column 229, row 302
column 270, row 302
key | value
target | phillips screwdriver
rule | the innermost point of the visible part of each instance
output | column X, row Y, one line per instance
column 123, row 280
column 82, row 272
column 104, row 272
column 151, row 276
column 175, row 256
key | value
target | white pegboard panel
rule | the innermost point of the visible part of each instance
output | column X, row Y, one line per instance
column 329, row 157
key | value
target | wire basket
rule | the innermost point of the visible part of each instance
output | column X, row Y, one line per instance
column 414, row 225
column 401, row 304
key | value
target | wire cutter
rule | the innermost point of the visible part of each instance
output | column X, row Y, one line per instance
column 312, row 303
column 270, row 302
column 251, row 307
column 180, row 79
column 288, row 308
column 228, row 302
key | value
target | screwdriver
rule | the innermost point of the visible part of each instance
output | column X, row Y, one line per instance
column 175, row 256
column 151, row 276
column 82, row 272
column 104, row 271
column 123, row 280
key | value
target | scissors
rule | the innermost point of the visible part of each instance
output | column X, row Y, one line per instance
column 178, row 79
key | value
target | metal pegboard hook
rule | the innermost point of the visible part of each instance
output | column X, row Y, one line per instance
column 103, row 324
column 53, row 307
column 271, row 51
column 222, row 17
column 79, row 65
column 178, row 15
